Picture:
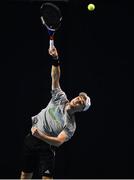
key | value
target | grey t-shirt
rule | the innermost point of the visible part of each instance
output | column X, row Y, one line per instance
column 53, row 119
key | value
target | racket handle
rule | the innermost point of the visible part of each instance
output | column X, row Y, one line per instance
column 51, row 44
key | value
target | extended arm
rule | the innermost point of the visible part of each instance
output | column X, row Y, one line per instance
column 55, row 70
column 55, row 74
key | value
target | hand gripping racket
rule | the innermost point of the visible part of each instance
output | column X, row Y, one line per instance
column 51, row 18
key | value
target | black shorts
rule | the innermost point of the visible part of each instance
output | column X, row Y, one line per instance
column 38, row 155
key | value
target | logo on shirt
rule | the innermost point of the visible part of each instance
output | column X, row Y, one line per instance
column 54, row 115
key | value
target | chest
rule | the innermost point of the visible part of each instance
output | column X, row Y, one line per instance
column 57, row 116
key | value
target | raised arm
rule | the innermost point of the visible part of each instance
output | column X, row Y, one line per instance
column 55, row 74
column 55, row 70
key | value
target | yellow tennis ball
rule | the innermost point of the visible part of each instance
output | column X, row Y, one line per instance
column 91, row 7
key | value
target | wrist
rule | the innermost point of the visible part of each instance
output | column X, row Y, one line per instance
column 55, row 61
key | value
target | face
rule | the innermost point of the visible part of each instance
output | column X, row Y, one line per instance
column 77, row 103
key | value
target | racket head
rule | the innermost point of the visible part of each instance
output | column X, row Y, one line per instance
column 51, row 16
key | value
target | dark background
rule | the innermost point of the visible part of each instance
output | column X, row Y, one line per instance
column 96, row 52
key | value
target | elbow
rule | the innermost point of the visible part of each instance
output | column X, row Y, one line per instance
column 61, row 138
column 55, row 78
column 59, row 143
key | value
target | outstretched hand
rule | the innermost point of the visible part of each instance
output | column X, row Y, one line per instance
column 53, row 52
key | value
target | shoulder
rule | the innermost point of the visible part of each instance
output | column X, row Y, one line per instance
column 57, row 90
column 58, row 93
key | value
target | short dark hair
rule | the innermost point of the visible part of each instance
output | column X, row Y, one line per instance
column 87, row 100
column 83, row 94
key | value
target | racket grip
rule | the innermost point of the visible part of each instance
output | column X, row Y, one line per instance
column 51, row 44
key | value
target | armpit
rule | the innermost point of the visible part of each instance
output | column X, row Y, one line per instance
column 57, row 94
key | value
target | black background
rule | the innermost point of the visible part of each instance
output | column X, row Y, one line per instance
column 96, row 52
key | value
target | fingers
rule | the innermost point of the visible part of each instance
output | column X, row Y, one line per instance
column 53, row 52
column 34, row 130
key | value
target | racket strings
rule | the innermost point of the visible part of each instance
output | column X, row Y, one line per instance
column 51, row 15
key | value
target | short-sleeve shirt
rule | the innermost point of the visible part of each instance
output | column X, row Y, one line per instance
column 54, row 118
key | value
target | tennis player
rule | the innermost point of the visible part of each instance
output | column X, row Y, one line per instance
column 51, row 127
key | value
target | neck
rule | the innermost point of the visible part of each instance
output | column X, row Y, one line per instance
column 69, row 109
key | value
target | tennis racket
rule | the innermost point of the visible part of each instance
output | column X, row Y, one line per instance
column 51, row 18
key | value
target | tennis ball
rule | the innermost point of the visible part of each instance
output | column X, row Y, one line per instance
column 91, row 7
